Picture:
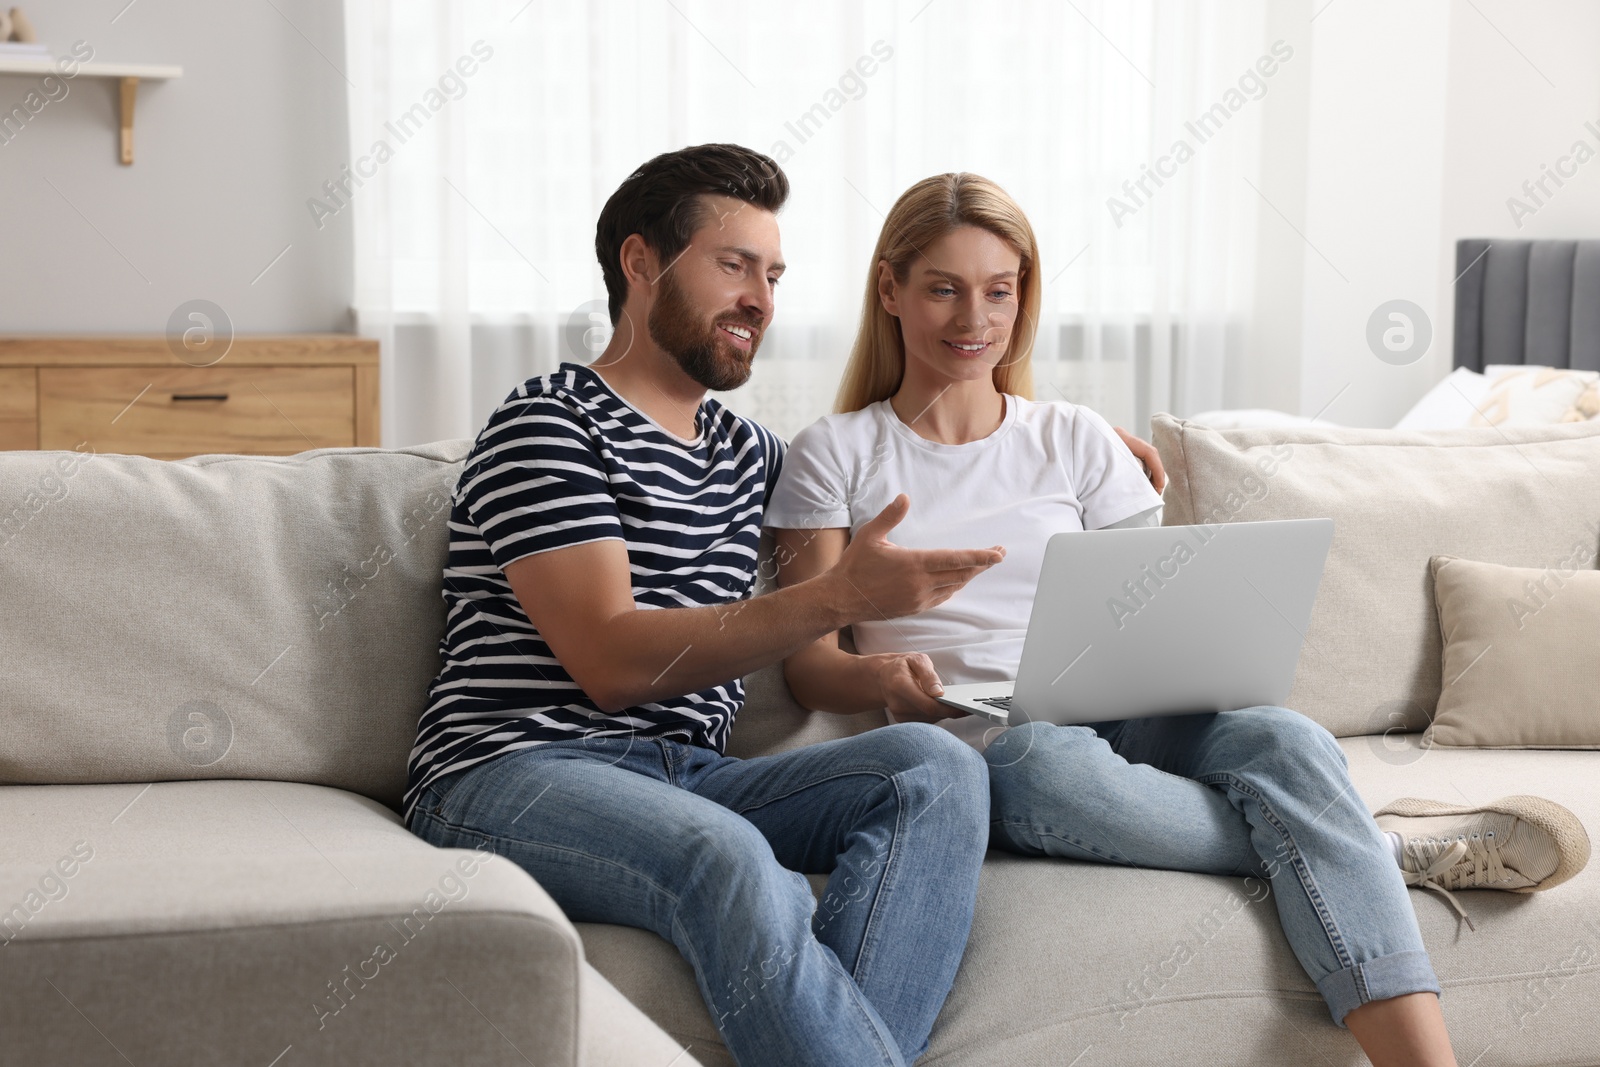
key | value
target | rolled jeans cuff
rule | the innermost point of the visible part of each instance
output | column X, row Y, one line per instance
column 1388, row 976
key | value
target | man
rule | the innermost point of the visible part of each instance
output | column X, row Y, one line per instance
column 603, row 544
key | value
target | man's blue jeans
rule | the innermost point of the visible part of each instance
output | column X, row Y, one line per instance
column 704, row 849
column 1262, row 792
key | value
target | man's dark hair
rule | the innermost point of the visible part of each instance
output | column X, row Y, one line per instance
column 661, row 203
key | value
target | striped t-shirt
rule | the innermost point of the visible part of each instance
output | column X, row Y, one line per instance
column 565, row 461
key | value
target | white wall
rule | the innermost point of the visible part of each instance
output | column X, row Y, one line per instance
column 1269, row 371
column 1375, row 162
column 1403, row 128
column 1419, row 121
column 1506, row 121
column 225, row 158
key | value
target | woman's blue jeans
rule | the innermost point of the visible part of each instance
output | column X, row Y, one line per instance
column 704, row 849
column 1263, row 792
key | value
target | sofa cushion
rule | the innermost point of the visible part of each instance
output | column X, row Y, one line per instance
column 1519, row 653
column 212, row 922
column 1515, row 495
column 1069, row 956
column 222, row 616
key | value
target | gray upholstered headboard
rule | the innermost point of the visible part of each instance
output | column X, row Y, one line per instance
column 1534, row 302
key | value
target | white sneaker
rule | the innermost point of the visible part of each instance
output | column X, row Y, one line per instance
column 1520, row 843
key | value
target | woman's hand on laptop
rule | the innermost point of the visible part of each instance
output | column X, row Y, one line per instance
column 880, row 580
column 911, row 688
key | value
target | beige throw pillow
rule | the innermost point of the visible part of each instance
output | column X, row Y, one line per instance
column 1520, row 648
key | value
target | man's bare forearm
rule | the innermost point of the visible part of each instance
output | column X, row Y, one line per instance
column 660, row 653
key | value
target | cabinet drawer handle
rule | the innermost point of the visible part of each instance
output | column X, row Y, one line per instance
column 199, row 396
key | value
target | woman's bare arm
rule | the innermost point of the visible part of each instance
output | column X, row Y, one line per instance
column 824, row 677
column 580, row 599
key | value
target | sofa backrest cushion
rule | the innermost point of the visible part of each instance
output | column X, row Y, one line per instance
column 273, row 617
column 1523, row 496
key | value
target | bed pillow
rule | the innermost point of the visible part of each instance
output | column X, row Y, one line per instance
column 1505, row 395
column 1523, row 395
column 1521, row 646
column 1587, row 406
column 1453, row 402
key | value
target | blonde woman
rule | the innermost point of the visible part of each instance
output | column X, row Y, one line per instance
column 936, row 423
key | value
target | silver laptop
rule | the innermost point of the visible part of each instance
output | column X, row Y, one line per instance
column 1167, row 620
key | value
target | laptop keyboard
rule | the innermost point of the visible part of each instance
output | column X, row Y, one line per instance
column 1003, row 703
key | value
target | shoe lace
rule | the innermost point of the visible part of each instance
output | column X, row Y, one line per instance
column 1464, row 862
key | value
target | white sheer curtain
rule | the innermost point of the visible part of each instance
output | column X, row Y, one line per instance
column 486, row 137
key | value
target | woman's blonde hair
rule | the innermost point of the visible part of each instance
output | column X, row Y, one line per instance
column 924, row 213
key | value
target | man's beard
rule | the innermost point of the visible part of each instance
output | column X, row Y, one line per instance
column 698, row 346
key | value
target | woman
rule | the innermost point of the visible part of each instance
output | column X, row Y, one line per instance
column 935, row 423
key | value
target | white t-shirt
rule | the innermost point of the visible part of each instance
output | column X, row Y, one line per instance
column 1051, row 466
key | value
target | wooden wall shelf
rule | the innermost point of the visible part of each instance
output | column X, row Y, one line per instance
column 127, row 75
column 269, row 395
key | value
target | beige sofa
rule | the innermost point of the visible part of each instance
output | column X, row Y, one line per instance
column 254, row 636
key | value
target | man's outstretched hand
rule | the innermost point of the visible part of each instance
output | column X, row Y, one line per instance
column 884, row 581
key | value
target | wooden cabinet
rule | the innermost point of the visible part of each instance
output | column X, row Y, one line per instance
column 19, row 408
column 267, row 396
